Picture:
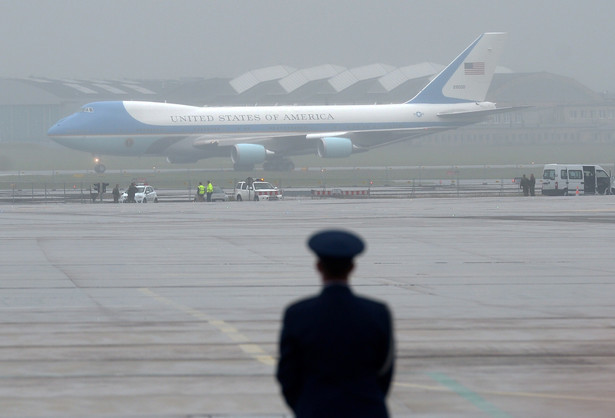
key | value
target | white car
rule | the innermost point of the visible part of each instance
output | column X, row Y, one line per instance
column 145, row 193
column 219, row 195
column 257, row 190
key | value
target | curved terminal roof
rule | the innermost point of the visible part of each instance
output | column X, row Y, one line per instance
column 323, row 84
column 401, row 75
column 252, row 78
column 300, row 78
column 350, row 77
column 540, row 89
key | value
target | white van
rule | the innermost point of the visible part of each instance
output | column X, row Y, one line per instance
column 566, row 179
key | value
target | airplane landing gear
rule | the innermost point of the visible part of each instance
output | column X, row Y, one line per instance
column 99, row 167
column 245, row 167
column 279, row 164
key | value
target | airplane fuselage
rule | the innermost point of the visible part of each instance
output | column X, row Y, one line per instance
column 113, row 127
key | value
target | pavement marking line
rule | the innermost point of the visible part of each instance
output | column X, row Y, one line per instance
column 268, row 360
column 548, row 396
column 252, row 350
column 238, row 338
column 512, row 394
column 426, row 387
column 473, row 397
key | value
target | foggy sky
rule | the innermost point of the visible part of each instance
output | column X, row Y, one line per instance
column 171, row 39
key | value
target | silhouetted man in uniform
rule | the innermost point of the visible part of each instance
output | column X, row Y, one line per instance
column 532, row 185
column 336, row 348
column 525, row 185
column 116, row 193
column 130, row 193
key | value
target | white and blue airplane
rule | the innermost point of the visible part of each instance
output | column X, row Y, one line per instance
column 268, row 135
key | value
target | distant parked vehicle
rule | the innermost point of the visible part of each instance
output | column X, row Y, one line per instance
column 145, row 193
column 219, row 195
column 566, row 179
column 256, row 190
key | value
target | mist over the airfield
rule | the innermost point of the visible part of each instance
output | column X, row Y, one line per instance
column 142, row 39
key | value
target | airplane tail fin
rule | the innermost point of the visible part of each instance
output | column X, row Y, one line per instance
column 468, row 77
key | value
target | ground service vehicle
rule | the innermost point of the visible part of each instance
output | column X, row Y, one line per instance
column 256, row 190
column 566, row 179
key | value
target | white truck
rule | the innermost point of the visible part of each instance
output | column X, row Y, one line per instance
column 568, row 179
column 256, row 190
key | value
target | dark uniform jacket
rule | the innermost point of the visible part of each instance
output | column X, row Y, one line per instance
column 336, row 355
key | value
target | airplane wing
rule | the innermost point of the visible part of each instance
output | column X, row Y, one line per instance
column 480, row 113
column 301, row 143
column 366, row 140
column 204, row 141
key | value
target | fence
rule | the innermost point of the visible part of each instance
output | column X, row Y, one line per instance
column 84, row 193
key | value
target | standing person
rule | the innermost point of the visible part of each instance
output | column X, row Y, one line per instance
column 130, row 193
column 210, row 190
column 116, row 193
column 532, row 185
column 525, row 185
column 336, row 348
column 200, row 192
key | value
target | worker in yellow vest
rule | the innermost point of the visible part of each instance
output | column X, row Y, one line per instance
column 200, row 192
column 210, row 190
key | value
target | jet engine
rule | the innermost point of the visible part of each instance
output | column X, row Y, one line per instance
column 249, row 154
column 333, row 147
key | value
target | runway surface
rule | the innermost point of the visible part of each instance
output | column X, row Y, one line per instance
column 504, row 307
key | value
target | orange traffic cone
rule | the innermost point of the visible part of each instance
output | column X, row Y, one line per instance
column 577, row 193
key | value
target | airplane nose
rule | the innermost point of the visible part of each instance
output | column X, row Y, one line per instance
column 59, row 128
column 54, row 130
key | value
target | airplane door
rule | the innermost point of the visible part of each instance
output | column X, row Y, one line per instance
column 589, row 173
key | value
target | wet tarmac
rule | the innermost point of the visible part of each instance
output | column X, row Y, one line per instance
column 503, row 306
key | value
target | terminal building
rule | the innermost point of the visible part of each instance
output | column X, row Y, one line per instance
column 563, row 110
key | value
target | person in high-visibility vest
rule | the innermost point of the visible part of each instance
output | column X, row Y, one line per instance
column 200, row 192
column 210, row 190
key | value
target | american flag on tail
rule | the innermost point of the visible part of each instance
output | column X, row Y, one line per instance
column 474, row 68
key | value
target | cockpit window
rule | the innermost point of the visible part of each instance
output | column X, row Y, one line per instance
column 87, row 109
